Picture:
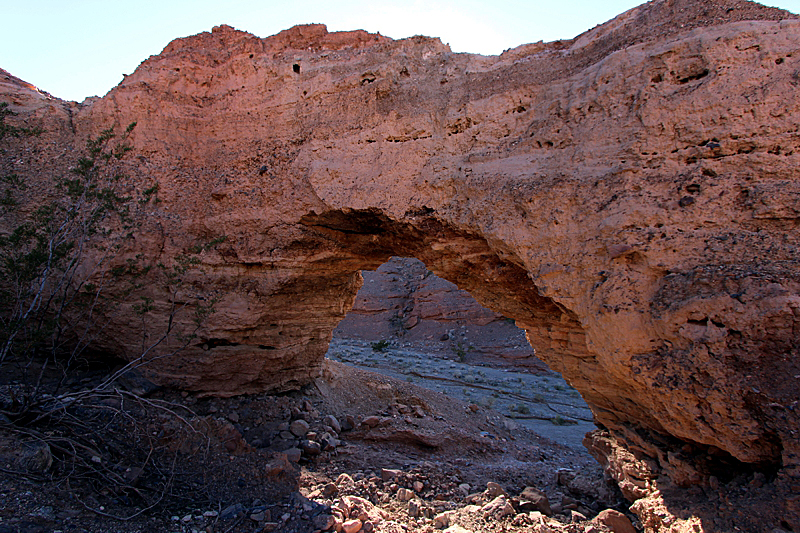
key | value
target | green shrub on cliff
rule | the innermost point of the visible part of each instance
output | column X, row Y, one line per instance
column 44, row 279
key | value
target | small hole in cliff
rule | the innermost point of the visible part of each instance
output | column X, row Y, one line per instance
column 296, row 68
column 251, row 56
column 709, row 172
column 779, row 61
column 692, row 77
column 746, row 149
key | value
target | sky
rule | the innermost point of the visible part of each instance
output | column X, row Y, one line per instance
column 74, row 49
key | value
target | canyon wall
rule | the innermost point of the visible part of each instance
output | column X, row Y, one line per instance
column 404, row 302
column 630, row 197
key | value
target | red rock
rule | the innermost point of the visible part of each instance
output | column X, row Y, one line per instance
column 513, row 180
column 352, row 526
column 615, row 521
column 371, row 421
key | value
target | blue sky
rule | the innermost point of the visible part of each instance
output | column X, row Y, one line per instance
column 78, row 48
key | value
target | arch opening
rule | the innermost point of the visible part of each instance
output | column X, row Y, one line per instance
column 494, row 275
column 409, row 324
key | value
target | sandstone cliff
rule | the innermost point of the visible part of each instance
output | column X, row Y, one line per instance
column 404, row 301
column 630, row 197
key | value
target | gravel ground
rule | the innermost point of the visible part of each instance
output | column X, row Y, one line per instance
column 544, row 403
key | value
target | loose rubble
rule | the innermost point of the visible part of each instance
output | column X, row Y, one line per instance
column 400, row 459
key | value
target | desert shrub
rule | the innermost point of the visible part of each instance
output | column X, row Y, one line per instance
column 380, row 346
column 559, row 420
column 62, row 274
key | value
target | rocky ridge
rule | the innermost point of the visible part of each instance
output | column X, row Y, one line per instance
column 629, row 197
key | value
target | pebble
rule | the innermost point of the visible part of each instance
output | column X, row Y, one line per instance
column 414, row 508
column 390, row 473
column 442, row 520
column 457, row 529
column 324, row 522
column 299, row 428
column 371, row 421
column 533, row 499
column 327, row 441
column 352, row 526
column 232, row 511
column 344, row 481
column 615, row 521
column 493, row 490
column 329, row 490
column 498, row 508
column 418, row 486
column 293, row 454
column 310, row 447
column 331, row 421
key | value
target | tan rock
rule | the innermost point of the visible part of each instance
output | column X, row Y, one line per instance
column 443, row 520
column 494, row 490
column 299, row 428
column 533, row 499
column 388, row 474
column 371, row 421
column 457, row 529
column 497, row 508
column 628, row 197
column 352, row 526
column 615, row 521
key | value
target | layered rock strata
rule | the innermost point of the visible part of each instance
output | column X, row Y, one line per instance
column 630, row 197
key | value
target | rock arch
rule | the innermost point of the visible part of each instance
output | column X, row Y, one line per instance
column 630, row 199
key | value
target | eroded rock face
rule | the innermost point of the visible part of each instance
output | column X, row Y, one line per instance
column 403, row 300
column 629, row 197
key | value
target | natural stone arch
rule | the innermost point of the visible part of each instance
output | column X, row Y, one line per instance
column 633, row 204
